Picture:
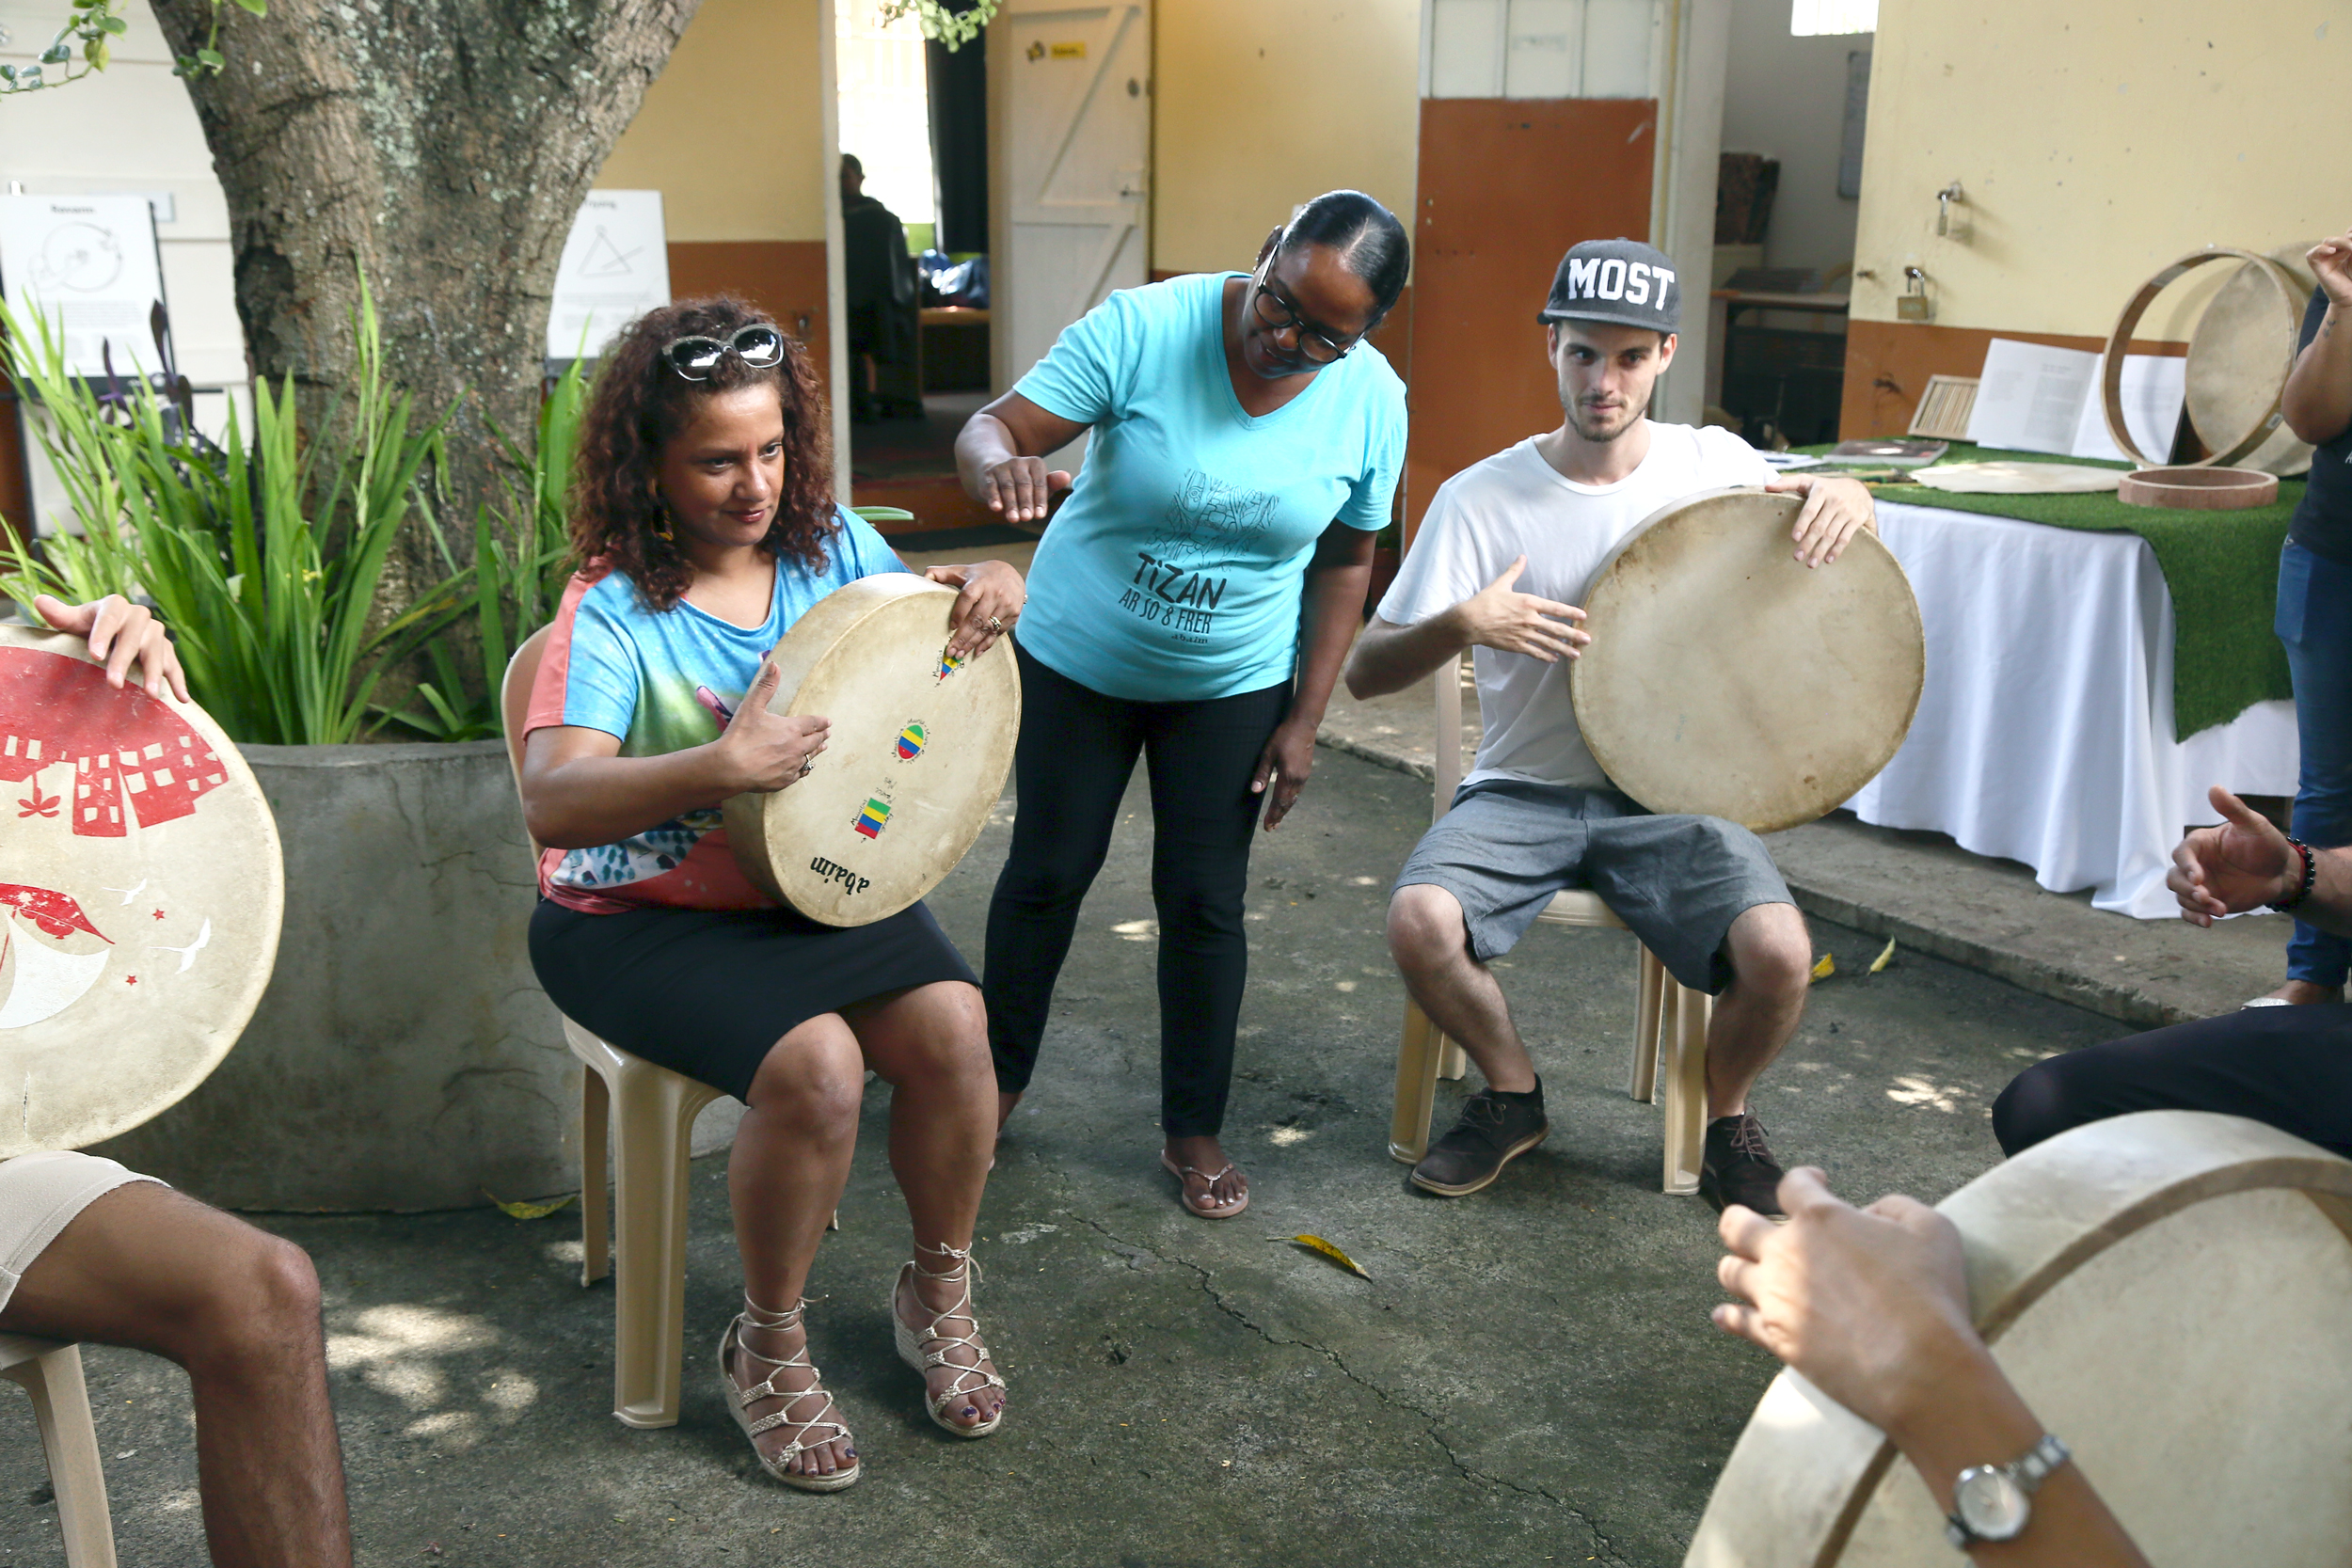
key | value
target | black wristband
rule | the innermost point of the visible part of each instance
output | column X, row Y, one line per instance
column 2311, row 875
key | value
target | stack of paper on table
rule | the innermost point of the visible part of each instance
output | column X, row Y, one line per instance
column 2035, row 398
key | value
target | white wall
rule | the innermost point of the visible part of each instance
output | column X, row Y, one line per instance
column 1785, row 98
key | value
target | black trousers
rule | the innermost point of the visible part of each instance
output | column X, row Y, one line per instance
column 1076, row 752
column 2290, row 1067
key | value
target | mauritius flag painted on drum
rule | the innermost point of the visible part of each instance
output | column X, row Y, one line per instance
column 871, row 820
column 910, row 741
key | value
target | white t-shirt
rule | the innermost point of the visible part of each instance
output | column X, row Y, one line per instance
column 1515, row 503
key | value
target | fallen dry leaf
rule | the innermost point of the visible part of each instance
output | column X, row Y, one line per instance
column 1316, row 1244
column 1827, row 967
column 1885, row 957
column 528, row 1211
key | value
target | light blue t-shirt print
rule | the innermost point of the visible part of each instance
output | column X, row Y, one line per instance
column 1174, row 571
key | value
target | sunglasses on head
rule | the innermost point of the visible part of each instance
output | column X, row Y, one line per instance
column 758, row 345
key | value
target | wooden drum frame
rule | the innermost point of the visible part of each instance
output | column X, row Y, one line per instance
column 141, row 890
column 916, row 757
column 2264, row 433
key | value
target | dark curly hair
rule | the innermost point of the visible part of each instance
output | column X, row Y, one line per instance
column 640, row 403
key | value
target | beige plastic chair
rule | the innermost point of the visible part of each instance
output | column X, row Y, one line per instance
column 52, row 1375
column 652, row 1136
column 1665, row 1013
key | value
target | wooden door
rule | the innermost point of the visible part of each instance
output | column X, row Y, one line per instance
column 1506, row 186
column 1070, row 86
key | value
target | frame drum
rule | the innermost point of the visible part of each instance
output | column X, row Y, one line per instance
column 915, row 760
column 140, row 893
column 1725, row 678
column 2166, row 1292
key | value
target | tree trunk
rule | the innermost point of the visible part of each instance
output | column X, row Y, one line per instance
column 442, row 146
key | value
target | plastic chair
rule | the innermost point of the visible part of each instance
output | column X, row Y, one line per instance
column 649, row 1111
column 1665, row 1011
column 50, row 1372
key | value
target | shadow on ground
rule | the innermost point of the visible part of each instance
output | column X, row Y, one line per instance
column 1529, row 1376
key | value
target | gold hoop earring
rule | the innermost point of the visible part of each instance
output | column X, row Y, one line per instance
column 661, row 530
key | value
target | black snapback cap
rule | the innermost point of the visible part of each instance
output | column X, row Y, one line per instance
column 1623, row 282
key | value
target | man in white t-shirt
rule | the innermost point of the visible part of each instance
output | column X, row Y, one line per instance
column 1502, row 556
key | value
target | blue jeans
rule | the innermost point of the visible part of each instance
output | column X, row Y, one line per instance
column 2314, row 622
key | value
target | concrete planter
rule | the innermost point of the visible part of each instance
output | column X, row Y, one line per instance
column 404, row 1056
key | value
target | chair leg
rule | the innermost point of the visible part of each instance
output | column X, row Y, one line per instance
column 1686, row 1088
column 70, row 1441
column 1417, row 1061
column 1453, row 1061
column 1649, row 994
column 596, row 1124
column 656, row 1118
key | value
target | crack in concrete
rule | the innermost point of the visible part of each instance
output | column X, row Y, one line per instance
column 1603, row 1549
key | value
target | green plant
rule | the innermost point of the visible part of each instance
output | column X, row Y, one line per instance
column 94, row 25
column 263, row 560
column 950, row 23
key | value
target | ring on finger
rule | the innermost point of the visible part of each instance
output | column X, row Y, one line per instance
column 808, row 763
column 995, row 625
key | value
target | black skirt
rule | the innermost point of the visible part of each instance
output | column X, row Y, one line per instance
column 708, row 993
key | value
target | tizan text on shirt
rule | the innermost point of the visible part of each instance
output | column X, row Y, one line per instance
column 1208, row 522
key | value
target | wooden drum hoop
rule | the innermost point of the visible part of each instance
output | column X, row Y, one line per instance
column 2119, row 343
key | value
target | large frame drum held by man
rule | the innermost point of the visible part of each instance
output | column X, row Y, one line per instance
column 140, row 893
column 1729, row 679
column 915, row 759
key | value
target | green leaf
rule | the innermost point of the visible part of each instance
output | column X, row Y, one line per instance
column 116, row 26
column 57, row 54
column 258, row 7
column 96, row 52
column 212, row 59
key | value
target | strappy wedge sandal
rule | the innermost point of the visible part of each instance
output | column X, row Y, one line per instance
column 1211, row 1178
column 913, row 1342
column 739, row 1399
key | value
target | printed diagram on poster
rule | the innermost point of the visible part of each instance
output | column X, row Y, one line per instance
column 615, row 268
column 88, row 263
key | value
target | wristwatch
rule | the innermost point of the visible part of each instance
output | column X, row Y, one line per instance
column 1995, row 1502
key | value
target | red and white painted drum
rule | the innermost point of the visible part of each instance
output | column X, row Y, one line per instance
column 141, row 894
column 915, row 760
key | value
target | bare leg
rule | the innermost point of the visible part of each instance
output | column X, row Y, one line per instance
column 2304, row 993
column 784, row 1179
column 1430, row 943
column 1005, row 1103
column 931, row 1046
column 1771, row 959
column 146, row 1267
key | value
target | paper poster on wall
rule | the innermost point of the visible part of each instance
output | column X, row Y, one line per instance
column 87, row 262
column 615, row 268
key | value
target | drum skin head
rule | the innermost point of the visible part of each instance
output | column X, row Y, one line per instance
column 1726, row 679
column 141, row 894
column 916, row 757
column 2238, row 358
column 2165, row 1290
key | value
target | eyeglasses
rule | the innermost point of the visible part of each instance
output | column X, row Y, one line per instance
column 758, row 345
column 1278, row 312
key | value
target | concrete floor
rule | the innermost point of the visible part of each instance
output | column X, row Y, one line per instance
column 1529, row 1376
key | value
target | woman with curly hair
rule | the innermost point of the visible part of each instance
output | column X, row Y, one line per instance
column 703, row 518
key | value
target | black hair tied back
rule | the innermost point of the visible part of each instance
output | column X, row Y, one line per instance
column 1367, row 236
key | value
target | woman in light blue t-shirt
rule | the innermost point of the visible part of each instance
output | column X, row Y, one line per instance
column 1190, row 603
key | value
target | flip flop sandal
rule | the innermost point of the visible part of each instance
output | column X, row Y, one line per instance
column 1181, row 1172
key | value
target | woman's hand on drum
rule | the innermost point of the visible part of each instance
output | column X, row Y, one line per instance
column 1835, row 509
column 1500, row 617
column 766, row 751
column 1282, row 769
column 1022, row 488
column 122, row 634
column 993, row 593
column 2242, row 865
column 2330, row 262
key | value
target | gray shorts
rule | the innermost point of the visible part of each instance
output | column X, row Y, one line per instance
column 1509, row 845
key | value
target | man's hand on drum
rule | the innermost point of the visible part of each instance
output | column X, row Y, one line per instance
column 122, row 634
column 2242, row 865
column 1835, row 509
column 767, row 752
column 1869, row 1303
column 1022, row 488
column 1500, row 617
column 1282, row 769
column 993, row 593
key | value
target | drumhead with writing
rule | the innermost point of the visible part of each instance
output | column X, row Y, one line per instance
column 1726, row 678
column 915, row 760
column 140, row 893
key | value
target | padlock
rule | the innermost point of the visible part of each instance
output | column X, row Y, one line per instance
column 1913, row 305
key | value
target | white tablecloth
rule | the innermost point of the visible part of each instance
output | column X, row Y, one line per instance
column 2044, row 732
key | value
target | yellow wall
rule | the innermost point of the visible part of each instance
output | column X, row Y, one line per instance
column 732, row 133
column 1260, row 105
column 2097, row 141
